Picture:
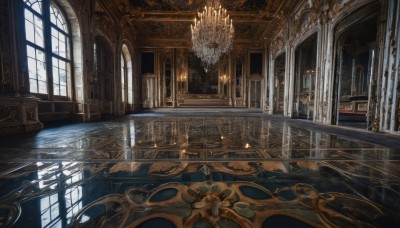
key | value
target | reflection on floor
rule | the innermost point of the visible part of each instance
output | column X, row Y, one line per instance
column 215, row 169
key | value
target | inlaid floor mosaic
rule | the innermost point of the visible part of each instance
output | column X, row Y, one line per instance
column 194, row 169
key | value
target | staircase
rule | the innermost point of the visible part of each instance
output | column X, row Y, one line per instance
column 205, row 102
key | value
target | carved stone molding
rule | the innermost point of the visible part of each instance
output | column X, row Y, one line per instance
column 104, row 23
column 18, row 115
column 239, row 53
column 336, row 7
column 277, row 45
column 306, row 18
column 354, row 17
column 9, row 114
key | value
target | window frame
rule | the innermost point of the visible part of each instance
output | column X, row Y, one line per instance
column 124, row 77
column 49, row 53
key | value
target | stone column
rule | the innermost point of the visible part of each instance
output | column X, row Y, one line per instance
column 289, row 81
column 174, row 78
column 231, row 64
column 323, row 87
column 388, row 76
column 271, row 79
column 265, row 82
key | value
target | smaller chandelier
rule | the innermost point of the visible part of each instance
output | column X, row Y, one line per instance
column 212, row 34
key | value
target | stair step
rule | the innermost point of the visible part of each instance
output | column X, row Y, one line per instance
column 204, row 102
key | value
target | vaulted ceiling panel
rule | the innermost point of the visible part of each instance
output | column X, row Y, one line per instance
column 167, row 22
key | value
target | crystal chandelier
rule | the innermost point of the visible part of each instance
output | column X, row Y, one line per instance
column 212, row 34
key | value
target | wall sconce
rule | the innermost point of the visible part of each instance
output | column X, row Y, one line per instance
column 223, row 78
column 182, row 78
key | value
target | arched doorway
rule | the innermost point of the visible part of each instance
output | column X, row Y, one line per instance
column 305, row 69
column 356, row 50
column 279, row 83
column 167, row 82
column 101, row 82
column 126, row 79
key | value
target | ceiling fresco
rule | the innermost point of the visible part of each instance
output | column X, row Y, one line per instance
column 181, row 5
column 167, row 22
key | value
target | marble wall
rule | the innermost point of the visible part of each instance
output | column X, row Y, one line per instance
column 328, row 20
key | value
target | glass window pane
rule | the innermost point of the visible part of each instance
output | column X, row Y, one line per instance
column 38, row 21
column 29, row 31
column 55, row 76
column 62, row 50
column 39, row 39
column 30, row 51
column 52, row 16
column 55, row 62
column 63, row 77
column 37, row 6
column 33, row 86
column 41, row 71
column 32, row 68
column 57, row 18
column 63, row 90
column 53, row 199
column 28, row 15
column 67, row 49
column 54, row 32
column 40, row 55
column 42, row 87
column 56, row 89
column 45, row 217
column 64, row 65
column 54, row 41
column 54, row 211
column 62, row 47
column 44, row 203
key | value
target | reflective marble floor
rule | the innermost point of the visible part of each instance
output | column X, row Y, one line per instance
column 187, row 168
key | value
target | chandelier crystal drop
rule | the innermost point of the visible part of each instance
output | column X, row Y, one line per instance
column 212, row 34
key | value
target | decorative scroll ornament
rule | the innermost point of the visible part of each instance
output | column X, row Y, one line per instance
column 212, row 34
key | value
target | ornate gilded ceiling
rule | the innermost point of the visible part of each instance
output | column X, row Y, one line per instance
column 166, row 23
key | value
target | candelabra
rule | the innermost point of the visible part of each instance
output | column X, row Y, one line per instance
column 212, row 34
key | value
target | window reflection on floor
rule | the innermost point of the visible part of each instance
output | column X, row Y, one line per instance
column 57, row 209
column 121, row 171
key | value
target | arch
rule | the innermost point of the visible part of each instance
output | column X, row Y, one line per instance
column 348, row 11
column 304, row 77
column 305, row 36
column 101, row 82
column 49, row 55
column 355, row 36
column 167, row 82
column 129, row 73
column 77, row 85
column 278, row 85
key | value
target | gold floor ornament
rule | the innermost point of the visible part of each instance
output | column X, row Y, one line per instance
column 239, row 204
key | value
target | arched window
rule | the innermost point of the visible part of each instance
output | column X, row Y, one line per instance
column 48, row 48
column 123, row 76
column 126, row 75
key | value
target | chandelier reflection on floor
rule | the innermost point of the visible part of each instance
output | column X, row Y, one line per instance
column 212, row 34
